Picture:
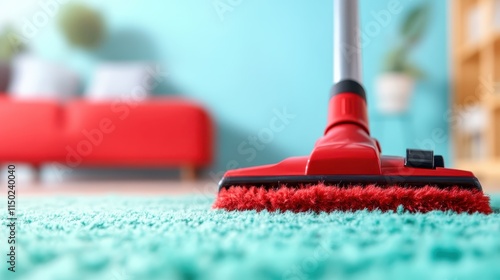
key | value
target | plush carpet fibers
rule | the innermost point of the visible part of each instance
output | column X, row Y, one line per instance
column 125, row 238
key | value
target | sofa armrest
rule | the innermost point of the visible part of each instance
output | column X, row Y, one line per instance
column 30, row 131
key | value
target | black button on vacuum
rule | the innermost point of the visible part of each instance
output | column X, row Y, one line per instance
column 419, row 159
column 438, row 161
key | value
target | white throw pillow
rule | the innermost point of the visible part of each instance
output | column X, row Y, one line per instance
column 121, row 81
column 37, row 79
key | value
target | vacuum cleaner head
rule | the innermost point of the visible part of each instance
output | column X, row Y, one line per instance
column 346, row 171
column 327, row 198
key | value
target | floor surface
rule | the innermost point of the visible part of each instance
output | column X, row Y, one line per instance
column 129, row 237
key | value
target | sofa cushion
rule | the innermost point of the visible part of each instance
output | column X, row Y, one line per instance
column 135, row 82
column 37, row 79
column 157, row 132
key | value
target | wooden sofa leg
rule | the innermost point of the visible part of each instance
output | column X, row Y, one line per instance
column 37, row 173
column 188, row 173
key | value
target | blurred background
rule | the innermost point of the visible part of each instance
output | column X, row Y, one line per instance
column 113, row 90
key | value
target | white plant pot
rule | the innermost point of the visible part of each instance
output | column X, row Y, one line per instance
column 393, row 91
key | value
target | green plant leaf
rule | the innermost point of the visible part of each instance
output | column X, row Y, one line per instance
column 415, row 24
column 413, row 70
column 82, row 25
column 394, row 60
column 411, row 32
column 10, row 44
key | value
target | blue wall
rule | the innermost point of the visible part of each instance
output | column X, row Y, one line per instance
column 261, row 56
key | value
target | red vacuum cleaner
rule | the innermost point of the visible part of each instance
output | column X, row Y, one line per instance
column 346, row 170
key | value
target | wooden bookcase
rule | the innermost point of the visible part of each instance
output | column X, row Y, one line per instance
column 475, row 49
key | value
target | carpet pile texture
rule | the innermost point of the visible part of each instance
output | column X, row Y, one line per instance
column 127, row 238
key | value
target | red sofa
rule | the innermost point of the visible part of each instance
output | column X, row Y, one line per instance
column 162, row 132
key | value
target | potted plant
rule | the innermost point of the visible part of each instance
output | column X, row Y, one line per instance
column 10, row 45
column 82, row 26
column 396, row 83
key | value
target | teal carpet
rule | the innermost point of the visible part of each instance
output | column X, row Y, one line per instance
column 124, row 238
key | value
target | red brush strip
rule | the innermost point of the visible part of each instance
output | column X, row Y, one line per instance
column 321, row 198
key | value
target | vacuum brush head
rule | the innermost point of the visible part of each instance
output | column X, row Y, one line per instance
column 325, row 198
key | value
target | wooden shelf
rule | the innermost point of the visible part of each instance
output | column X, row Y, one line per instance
column 476, row 78
column 468, row 52
column 492, row 101
column 472, row 50
column 481, row 168
column 495, row 38
column 496, row 105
